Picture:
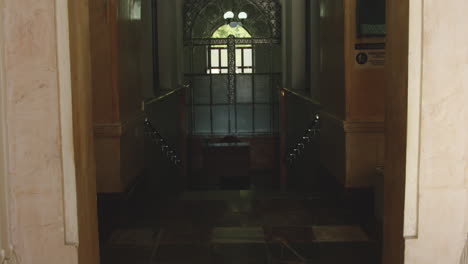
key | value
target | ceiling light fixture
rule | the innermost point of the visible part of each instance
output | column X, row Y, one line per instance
column 231, row 20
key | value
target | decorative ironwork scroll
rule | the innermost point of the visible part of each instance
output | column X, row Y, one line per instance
column 273, row 10
column 270, row 10
column 191, row 10
column 231, row 69
column 238, row 41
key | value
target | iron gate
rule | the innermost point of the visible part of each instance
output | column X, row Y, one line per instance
column 234, row 86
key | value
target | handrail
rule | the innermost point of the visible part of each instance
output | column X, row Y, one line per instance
column 164, row 96
column 303, row 97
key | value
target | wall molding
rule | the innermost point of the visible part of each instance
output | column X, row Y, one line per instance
column 364, row 126
column 367, row 126
column 118, row 129
column 5, row 239
column 109, row 130
column 66, row 124
column 413, row 148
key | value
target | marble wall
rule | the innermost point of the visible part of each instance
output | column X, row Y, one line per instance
column 436, row 223
column 33, row 128
column 443, row 172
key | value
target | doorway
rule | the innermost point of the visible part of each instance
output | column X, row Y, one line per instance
column 234, row 99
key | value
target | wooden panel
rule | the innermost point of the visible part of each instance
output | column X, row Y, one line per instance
column 351, row 151
column 332, row 83
column 132, row 152
column 283, row 138
column 109, row 130
column 365, row 87
column 364, row 153
column 396, row 96
column 119, row 154
column 353, row 127
column 88, row 250
column 104, row 61
column 130, row 30
column 118, row 59
column 332, row 146
column 108, row 169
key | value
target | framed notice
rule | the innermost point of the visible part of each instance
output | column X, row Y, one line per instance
column 370, row 55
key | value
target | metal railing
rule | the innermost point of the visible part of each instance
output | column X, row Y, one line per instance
column 159, row 141
column 301, row 146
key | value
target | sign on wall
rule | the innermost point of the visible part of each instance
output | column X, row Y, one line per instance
column 370, row 55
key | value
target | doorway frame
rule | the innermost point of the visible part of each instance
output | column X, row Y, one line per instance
column 413, row 126
column 413, row 148
column 5, row 238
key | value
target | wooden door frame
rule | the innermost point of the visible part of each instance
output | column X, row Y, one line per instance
column 413, row 135
column 78, row 163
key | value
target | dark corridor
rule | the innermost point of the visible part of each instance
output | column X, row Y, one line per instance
column 258, row 226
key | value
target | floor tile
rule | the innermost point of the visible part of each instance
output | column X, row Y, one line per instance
column 238, row 235
column 239, row 253
column 185, row 236
column 291, row 234
column 125, row 256
column 291, row 218
column 339, row 234
column 182, row 254
column 144, row 238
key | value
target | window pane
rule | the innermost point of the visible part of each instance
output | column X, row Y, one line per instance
column 262, row 89
column 220, row 89
column 214, row 58
column 238, row 58
column 244, row 119
column 250, row 70
column 262, row 118
column 248, row 57
column 214, row 71
column 202, row 119
column 224, row 58
column 221, row 119
column 244, row 88
column 224, row 71
column 201, row 89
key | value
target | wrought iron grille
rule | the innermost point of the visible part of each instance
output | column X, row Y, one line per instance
column 270, row 10
column 233, row 100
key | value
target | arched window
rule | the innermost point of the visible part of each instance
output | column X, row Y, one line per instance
column 225, row 31
column 218, row 62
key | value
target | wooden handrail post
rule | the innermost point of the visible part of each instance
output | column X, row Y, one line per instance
column 283, row 136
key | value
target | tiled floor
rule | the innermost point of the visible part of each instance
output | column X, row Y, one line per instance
column 224, row 227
